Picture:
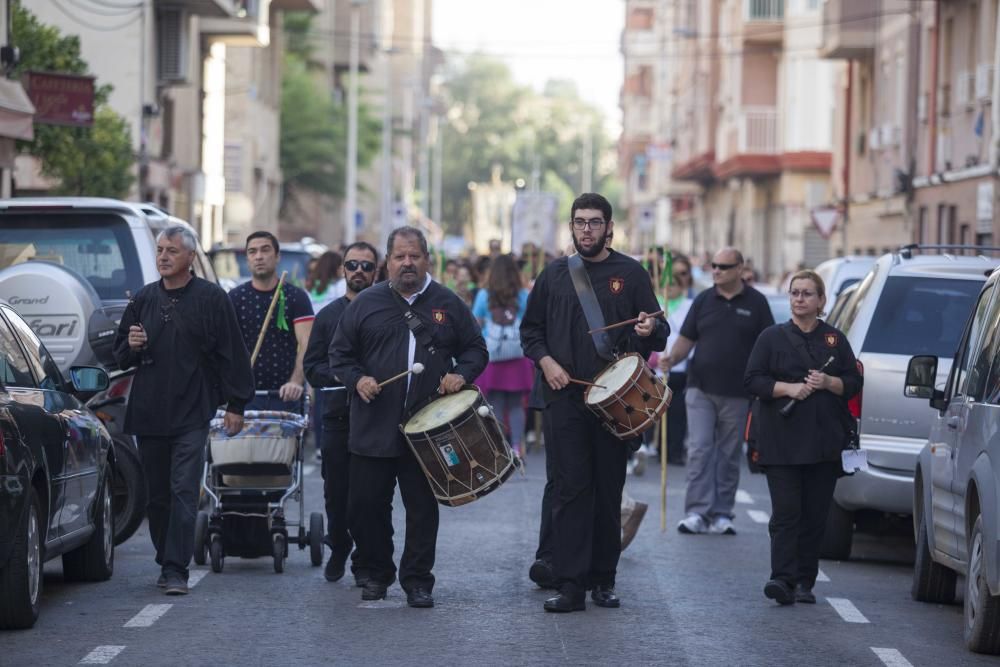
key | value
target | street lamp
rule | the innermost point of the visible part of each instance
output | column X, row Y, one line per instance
column 351, row 188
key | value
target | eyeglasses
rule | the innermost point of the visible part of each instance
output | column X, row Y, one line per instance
column 353, row 264
column 593, row 223
column 804, row 293
column 724, row 267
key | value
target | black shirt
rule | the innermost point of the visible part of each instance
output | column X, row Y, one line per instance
column 815, row 430
column 724, row 331
column 554, row 324
column 199, row 359
column 372, row 339
column 316, row 362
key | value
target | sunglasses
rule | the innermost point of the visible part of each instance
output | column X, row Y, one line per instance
column 353, row 264
column 724, row 267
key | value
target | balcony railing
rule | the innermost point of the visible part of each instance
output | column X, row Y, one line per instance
column 763, row 10
column 757, row 131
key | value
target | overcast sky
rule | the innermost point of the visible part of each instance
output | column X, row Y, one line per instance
column 542, row 40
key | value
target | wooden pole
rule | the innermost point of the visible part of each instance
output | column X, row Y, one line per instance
column 267, row 319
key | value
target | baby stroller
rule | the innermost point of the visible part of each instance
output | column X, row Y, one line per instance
column 248, row 478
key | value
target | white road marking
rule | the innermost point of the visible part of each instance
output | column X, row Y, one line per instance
column 149, row 614
column 891, row 657
column 308, row 470
column 102, row 655
column 847, row 610
column 743, row 497
column 194, row 576
column 759, row 516
column 381, row 604
column 821, row 576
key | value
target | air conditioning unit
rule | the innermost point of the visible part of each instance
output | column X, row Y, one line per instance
column 171, row 45
column 984, row 81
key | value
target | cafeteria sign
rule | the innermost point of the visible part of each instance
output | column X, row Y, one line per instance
column 61, row 99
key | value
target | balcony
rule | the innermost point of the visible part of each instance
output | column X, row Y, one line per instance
column 763, row 21
column 757, row 131
column 849, row 29
column 250, row 26
column 214, row 8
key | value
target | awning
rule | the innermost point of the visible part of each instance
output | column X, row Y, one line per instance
column 16, row 111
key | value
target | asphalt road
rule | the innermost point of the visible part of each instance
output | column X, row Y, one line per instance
column 687, row 600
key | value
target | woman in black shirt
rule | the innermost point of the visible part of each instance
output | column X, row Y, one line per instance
column 810, row 362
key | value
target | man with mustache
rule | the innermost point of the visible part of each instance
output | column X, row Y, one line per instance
column 373, row 343
column 360, row 262
column 586, row 462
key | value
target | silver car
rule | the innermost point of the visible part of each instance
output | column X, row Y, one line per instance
column 842, row 272
column 908, row 304
column 956, row 506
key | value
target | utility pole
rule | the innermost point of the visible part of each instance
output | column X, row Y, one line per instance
column 351, row 189
column 587, row 162
column 436, row 172
column 387, row 191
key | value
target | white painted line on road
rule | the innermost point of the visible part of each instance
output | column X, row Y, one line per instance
column 308, row 470
column 821, row 576
column 891, row 657
column 102, row 655
column 381, row 604
column 847, row 610
column 194, row 576
column 149, row 614
column 759, row 516
column 743, row 497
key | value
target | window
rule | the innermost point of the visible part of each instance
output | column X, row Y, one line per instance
column 850, row 309
column 39, row 358
column 970, row 344
column 921, row 316
column 14, row 370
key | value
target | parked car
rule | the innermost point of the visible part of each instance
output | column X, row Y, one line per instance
column 777, row 299
column 56, row 465
column 841, row 272
column 909, row 303
column 956, row 487
column 230, row 262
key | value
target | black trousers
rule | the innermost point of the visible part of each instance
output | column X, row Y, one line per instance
column 800, row 502
column 544, row 551
column 588, row 474
column 677, row 423
column 336, row 479
column 173, row 467
column 372, row 483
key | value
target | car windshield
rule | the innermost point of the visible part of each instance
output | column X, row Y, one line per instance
column 97, row 246
column 921, row 316
column 781, row 308
column 232, row 265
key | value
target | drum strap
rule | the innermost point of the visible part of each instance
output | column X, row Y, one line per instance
column 591, row 308
column 416, row 326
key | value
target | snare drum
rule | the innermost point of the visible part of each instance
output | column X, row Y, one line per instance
column 629, row 398
column 463, row 454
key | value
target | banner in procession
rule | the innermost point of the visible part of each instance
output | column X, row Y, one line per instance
column 535, row 220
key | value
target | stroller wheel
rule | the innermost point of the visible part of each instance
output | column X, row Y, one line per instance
column 200, row 535
column 279, row 552
column 316, row 538
column 215, row 550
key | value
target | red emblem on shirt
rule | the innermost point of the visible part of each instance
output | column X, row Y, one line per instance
column 616, row 285
column 438, row 316
column 831, row 339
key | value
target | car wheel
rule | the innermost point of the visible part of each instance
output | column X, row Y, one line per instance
column 129, row 491
column 316, row 539
column 932, row 582
column 982, row 610
column 95, row 560
column 839, row 534
column 21, row 578
column 200, row 536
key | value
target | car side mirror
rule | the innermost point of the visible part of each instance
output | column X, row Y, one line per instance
column 88, row 379
column 921, row 374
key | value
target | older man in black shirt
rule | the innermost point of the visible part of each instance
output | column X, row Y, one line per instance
column 181, row 334
column 724, row 322
column 373, row 343
column 586, row 461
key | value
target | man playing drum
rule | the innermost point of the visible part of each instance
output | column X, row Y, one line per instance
column 587, row 461
column 374, row 343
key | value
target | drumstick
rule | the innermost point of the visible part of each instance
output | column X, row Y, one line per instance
column 587, row 384
column 790, row 405
column 416, row 369
column 623, row 324
column 267, row 319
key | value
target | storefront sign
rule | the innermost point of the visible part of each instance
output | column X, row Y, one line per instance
column 61, row 99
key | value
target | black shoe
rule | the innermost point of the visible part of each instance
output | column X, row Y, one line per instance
column 334, row 569
column 566, row 602
column 161, row 582
column 541, row 573
column 176, row 585
column 373, row 590
column 603, row 595
column 803, row 594
column 779, row 591
column 361, row 579
column 420, row 598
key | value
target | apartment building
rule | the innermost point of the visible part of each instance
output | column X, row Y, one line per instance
column 16, row 110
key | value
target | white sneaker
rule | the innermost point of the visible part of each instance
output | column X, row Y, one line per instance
column 639, row 463
column 693, row 524
column 722, row 525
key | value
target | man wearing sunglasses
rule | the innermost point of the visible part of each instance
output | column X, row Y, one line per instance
column 360, row 263
column 724, row 321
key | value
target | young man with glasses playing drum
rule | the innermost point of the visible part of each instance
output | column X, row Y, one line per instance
column 585, row 462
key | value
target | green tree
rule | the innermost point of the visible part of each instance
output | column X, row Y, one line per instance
column 95, row 160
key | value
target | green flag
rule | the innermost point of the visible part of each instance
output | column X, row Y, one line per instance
column 280, row 320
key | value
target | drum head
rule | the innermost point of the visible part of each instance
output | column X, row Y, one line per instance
column 441, row 411
column 613, row 378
